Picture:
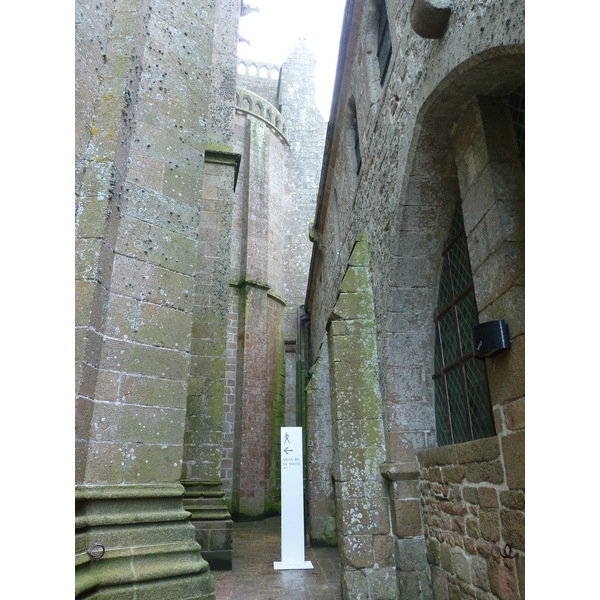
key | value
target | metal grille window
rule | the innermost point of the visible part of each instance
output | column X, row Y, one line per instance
column 463, row 410
column 384, row 43
column 516, row 104
column 353, row 136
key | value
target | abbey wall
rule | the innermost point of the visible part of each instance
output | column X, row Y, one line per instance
column 423, row 172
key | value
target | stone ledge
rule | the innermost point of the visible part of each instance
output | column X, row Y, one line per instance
column 399, row 471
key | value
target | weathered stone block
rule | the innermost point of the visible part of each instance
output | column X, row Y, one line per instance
column 482, row 450
column 453, row 474
column 441, row 455
column 506, row 373
column 354, row 305
column 357, row 551
column 149, row 391
column 513, row 528
column 488, row 497
column 406, row 518
column 513, row 448
column 383, row 549
column 104, row 463
column 354, row 584
column 446, row 557
column 490, row 527
column 460, row 565
column 360, row 254
column 514, row 499
column 491, row 472
column 356, row 279
column 163, row 326
column 503, row 582
column 412, row 553
column 382, row 583
column 121, row 317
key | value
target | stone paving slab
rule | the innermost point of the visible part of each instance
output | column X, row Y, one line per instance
column 256, row 546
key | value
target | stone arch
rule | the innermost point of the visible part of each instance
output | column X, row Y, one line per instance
column 431, row 187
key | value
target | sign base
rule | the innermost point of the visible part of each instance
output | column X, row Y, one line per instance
column 279, row 566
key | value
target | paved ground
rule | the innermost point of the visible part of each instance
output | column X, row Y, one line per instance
column 256, row 545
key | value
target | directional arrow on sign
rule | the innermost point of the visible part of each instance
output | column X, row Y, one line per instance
column 287, row 450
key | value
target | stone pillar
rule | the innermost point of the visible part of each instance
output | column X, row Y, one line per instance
column 204, row 497
column 254, row 440
column 204, row 421
column 319, row 455
column 141, row 109
column 363, row 513
column 256, row 341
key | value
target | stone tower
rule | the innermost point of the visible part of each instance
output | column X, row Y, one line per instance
column 279, row 133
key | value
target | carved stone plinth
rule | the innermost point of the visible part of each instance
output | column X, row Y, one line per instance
column 205, row 500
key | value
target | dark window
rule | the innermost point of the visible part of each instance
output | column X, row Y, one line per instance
column 516, row 104
column 463, row 410
column 384, row 44
column 357, row 145
column 353, row 139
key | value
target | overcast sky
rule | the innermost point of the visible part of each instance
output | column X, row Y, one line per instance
column 274, row 31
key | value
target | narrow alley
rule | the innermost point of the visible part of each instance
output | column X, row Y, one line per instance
column 256, row 545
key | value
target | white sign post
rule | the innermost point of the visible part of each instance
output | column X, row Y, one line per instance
column 292, row 502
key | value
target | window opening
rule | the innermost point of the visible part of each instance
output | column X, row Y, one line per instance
column 352, row 133
column 516, row 104
column 357, row 144
column 463, row 411
column 384, row 43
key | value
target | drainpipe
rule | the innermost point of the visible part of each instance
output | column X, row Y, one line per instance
column 299, row 367
column 303, row 321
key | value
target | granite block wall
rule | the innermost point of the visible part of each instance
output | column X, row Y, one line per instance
column 432, row 132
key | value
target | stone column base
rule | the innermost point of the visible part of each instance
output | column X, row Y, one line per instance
column 136, row 541
column 211, row 518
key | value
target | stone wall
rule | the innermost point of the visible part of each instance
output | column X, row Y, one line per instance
column 434, row 132
column 143, row 105
column 474, row 521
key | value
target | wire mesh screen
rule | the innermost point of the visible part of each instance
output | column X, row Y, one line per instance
column 462, row 403
column 516, row 104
